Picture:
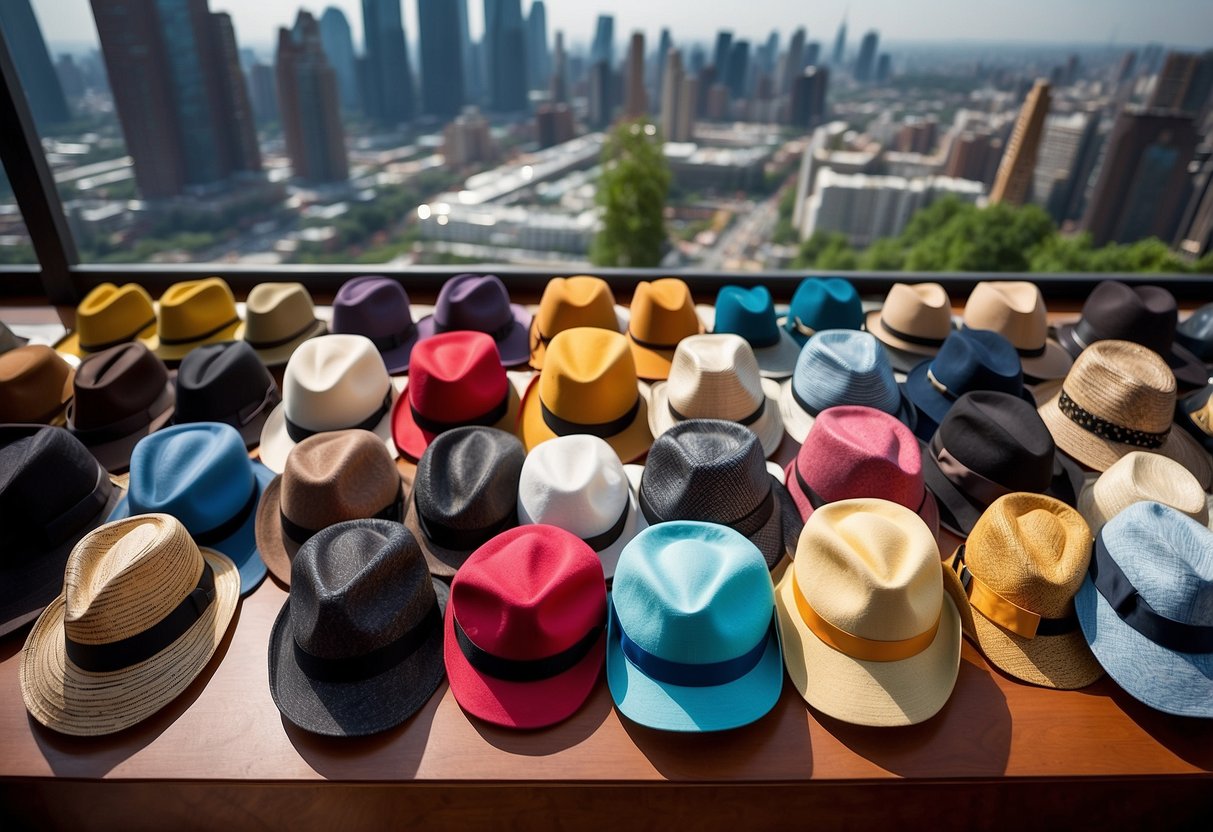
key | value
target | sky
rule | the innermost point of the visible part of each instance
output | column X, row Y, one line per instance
column 1186, row 23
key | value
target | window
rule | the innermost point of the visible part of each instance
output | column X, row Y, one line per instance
column 15, row 248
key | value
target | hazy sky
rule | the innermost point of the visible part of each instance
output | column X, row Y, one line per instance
column 1173, row 22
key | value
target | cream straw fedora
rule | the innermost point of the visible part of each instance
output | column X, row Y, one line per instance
column 1142, row 477
column 1015, row 309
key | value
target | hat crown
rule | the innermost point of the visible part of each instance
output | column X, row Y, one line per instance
column 191, row 309
column 920, row 309
column 125, row 576
column 871, row 568
column 570, row 302
column 1147, row 477
column 1123, row 383
column 277, row 310
column 825, row 303
column 371, row 306
column 977, row 359
column 843, row 366
column 662, row 312
column 530, row 592
column 456, row 376
column 1146, row 315
column 472, row 301
column 705, row 469
column 109, row 313
column 216, row 382
column 334, row 381
column 358, row 586
column 468, row 477
column 695, row 593
column 32, row 382
column 1002, row 438
column 853, row 451
column 715, row 376
column 575, row 482
column 337, row 476
column 748, row 312
column 1014, row 309
column 115, row 383
column 588, row 376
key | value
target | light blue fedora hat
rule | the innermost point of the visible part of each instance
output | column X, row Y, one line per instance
column 692, row 643
column 201, row 474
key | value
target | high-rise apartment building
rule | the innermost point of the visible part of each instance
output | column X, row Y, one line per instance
column 671, row 81
column 840, row 45
column 1013, row 184
column 973, row 156
column 467, row 140
column 308, row 100
column 28, row 49
column 539, row 63
column 505, row 44
column 441, row 47
column 1065, row 149
column 688, row 102
column 473, row 80
column 553, row 124
column 865, row 62
column 1185, row 83
column 603, row 48
column 720, row 55
column 793, row 61
column 240, row 133
column 601, row 95
column 664, row 44
column 263, row 91
column 558, row 88
column 737, row 72
column 636, row 102
column 338, row 43
column 807, row 101
column 388, row 94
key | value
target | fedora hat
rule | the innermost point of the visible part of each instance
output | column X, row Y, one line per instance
column 1015, row 309
column 278, row 318
column 571, row 302
column 714, row 471
column 378, row 307
column 578, row 484
column 52, row 492
column 35, row 385
column 1119, row 397
column 456, row 379
column 357, row 647
column 202, row 475
column 992, row 444
column 110, row 315
column 226, row 383
column 692, row 643
column 662, row 314
column 481, row 303
column 588, row 385
column 1195, row 415
column 750, row 313
column 1144, row 607
column 1021, row 567
column 142, row 611
column 837, row 367
column 869, row 616
column 329, row 478
column 853, row 452
column 525, row 627
column 823, row 303
column 465, row 492
column 1146, row 315
column 969, row 360
column 1195, row 333
column 334, row 382
column 717, row 377
column 1142, row 477
column 914, row 321
column 120, row 395
column 193, row 313
column 10, row 340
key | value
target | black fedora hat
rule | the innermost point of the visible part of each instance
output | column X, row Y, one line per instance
column 465, row 492
column 1196, row 333
column 715, row 471
column 357, row 647
column 1145, row 315
column 52, row 493
column 226, row 382
column 10, row 340
column 991, row 444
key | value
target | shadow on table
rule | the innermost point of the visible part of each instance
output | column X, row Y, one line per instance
column 1189, row 738
column 554, row 739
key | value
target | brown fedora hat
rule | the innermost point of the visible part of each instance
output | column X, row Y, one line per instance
column 35, row 385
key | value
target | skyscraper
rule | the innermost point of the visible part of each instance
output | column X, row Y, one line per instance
column 441, row 45
column 865, row 62
column 240, row 135
column 505, row 44
column 1065, row 146
column 793, row 60
column 720, row 55
column 602, row 100
column 636, row 102
column 1196, row 227
column 307, row 97
column 840, row 44
column 263, row 89
column 553, row 124
column 388, row 92
column 812, row 54
column 738, row 68
column 1013, row 184
column 538, row 61
column 884, row 67
column 473, row 81
column 559, row 87
column 339, row 49
column 603, row 48
column 671, row 81
column 664, row 44
column 688, row 99
column 807, row 101
column 34, row 68
column 1185, row 83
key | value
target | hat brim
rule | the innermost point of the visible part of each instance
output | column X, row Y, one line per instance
column 69, row 344
column 276, row 443
column 653, row 364
column 872, row 323
column 903, row 692
column 115, row 455
column 669, row 707
column 1053, row 364
column 171, row 354
column 798, row 422
column 632, row 526
column 629, row 444
column 442, row 562
column 279, row 355
column 1064, row 662
column 768, row 427
column 932, row 406
column 72, row 701
column 412, row 440
column 514, row 349
column 1168, row 681
column 778, row 361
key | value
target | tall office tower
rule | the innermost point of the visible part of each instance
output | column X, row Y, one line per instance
column 34, row 68
column 770, row 53
column 807, row 100
column 1185, row 83
column 338, row 44
column 697, row 60
column 1196, row 226
column 1124, row 69
column 1151, row 58
column 1065, row 146
column 241, row 134
column 263, row 91
column 539, row 64
column 473, row 82
column 1143, row 181
column 307, row 97
column 718, row 102
column 1013, row 184
column 884, row 67
column 553, row 124
column 865, row 62
column 812, row 54
column 720, row 55
column 793, row 61
column 671, row 82
column 603, row 48
column 388, row 94
column 664, row 44
column 738, row 69
column 601, row 98
column 559, row 82
column 840, row 45
column 441, row 46
column 636, row 102
column 505, row 64
column 688, row 99
column 707, row 80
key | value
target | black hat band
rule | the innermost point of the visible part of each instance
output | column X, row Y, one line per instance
column 1108, row 430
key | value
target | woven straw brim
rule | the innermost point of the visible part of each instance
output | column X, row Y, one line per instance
column 1064, row 662
column 69, row 344
column 768, row 428
column 629, row 444
column 172, row 354
column 72, row 701
column 279, row 355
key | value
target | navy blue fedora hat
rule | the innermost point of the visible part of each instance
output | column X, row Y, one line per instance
column 969, row 360
column 201, row 474
column 823, row 303
column 750, row 313
column 1196, row 333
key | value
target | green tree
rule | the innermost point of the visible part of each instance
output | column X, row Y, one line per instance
column 826, row 250
column 885, row 255
column 632, row 190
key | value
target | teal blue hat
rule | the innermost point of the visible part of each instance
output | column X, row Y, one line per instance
column 750, row 313
column 823, row 303
column 692, row 643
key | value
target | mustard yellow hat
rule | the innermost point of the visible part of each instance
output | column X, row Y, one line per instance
column 193, row 313
column 662, row 314
column 108, row 316
column 567, row 303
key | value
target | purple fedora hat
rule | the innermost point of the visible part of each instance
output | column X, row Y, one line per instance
column 377, row 307
column 480, row 303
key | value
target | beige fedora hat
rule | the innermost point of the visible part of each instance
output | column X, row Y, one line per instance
column 717, row 377
column 1015, row 309
column 869, row 616
column 142, row 611
column 1021, row 568
column 278, row 318
column 915, row 318
column 1119, row 397
column 334, row 382
column 1142, row 477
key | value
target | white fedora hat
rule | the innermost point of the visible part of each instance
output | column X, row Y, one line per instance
column 1142, row 477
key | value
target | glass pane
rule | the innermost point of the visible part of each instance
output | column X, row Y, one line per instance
column 15, row 247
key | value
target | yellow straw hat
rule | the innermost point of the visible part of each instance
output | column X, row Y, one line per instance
column 570, row 302
column 193, row 313
column 108, row 316
column 662, row 314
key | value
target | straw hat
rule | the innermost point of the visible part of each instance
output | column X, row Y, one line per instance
column 142, row 611
column 717, row 377
column 110, row 315
column 1195, row 415
column 915, row 320
column 1015, row 309
column 329, row 478
column 35, row 385
column 571, row 302
column 868, row 615
column 481, row 303
column 1021, row 566
column 823, row 303
column 192, row 313
column 1119, row 397
column 279, row 317
column 378, row 307
column 1143, row 477
column 662, row 314
column 588, row 385
column 226, row 383
column 750, row 313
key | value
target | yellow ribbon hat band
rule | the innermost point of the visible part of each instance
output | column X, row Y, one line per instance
column 1006, row 614
column 858, row 647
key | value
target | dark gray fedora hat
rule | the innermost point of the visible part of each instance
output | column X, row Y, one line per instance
column 226, row 382
column 10, row 340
